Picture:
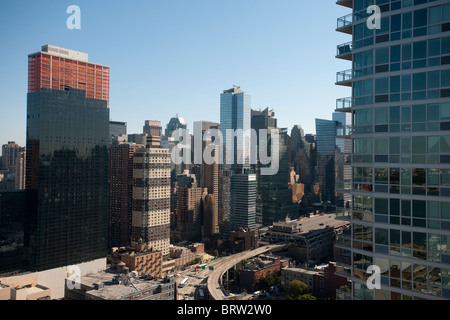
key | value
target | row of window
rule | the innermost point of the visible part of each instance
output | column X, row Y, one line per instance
column 401, row 212
column 402, row 57
column 402, row 26
column 417, row 86
column 360, row 6
column 403, row 176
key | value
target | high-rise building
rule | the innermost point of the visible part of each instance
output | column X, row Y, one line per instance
column 342, row 160
column 10, row 152
column 243, row 201
column 188, row 213
column 14, row 226
column 263, row 119
column 151, row 196
column 152, row 128
column 175, row 123
column 117, row 129
column 273, row 197
column 210, row 214
column 209, row 172
column 19, row 179
column 58, row 68
column 121, row 155
column 325, row 146
column 139, row 138
column 67, row 158
column 235, row 114
column 303, row 156
column 400, row 105
column 240, row 200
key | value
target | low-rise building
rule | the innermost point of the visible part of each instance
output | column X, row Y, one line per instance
column 242, row 240
column 322, row 282
column 182, row 256
column 259, row 268
column 313, row 237
column 24, row 287
column 143, row 260
column 111, row 285
column 301, row 274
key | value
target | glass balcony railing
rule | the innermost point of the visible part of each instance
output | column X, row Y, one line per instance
column 344, row 131
column 344, row 76
column 345, row 48
column 344, row 103
column 345, row 21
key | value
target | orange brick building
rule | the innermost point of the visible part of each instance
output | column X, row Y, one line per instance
column 143, row 260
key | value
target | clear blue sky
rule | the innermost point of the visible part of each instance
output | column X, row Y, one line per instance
column 177, row 56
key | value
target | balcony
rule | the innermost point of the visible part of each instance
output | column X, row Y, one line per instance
column 344, row 105
column 344, row 78
column 344, row 24
column 344, row 51
column 345, row 3
column 344, row 132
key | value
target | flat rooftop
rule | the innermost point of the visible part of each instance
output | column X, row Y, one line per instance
column 302, row 270
column 315, row 222
column 66, row 53
column 113, row 291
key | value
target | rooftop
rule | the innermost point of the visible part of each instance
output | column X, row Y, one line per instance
column 316, row 222
column 66, row 53
column 105, row 284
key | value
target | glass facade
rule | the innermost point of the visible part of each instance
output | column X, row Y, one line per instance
column 235, row 113
column 243, row 201
column 67, row 177
column 237, row 198
column 326, row 131
column 13, row 232
column 401, row 155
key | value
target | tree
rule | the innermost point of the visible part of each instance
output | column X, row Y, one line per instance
column 307, row 296
column 298, row 290
column 270, row 280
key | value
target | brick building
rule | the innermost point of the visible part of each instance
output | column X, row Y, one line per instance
column 259, row 268
column 143, row 260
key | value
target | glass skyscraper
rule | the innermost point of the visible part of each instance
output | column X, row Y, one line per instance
column 326, row 144
column 273, row 196
column 67, row 159
column 400, row 104
column 235, row 113
column 237, row 176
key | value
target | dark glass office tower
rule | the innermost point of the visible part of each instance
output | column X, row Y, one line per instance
column 400, row 103
column 326, row 144
column 273, row 196
column 67, row 160
column 13, row 231
column 243, row 200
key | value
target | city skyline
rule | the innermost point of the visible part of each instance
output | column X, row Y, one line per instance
column 180, row 72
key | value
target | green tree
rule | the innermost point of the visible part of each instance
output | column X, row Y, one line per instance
column 270, row 280
column 298, row 290
column 307, row 296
